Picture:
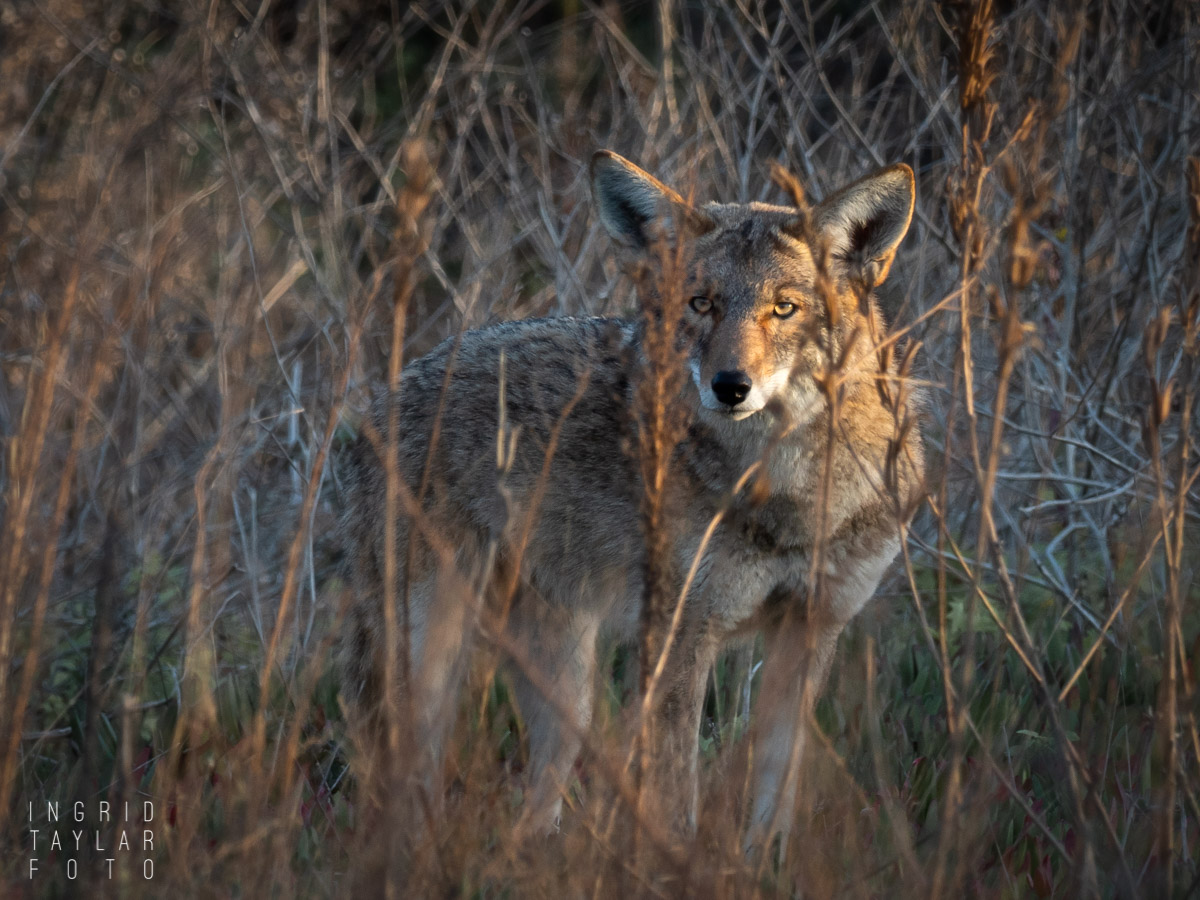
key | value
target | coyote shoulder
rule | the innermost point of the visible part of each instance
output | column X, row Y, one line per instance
column 516, row 496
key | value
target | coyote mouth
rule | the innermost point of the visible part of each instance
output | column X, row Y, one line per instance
column 734, row 414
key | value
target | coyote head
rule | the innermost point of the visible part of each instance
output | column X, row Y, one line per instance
column 771, row 296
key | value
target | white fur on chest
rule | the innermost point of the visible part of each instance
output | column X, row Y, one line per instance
column 733, row 582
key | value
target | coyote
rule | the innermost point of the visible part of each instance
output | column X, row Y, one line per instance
column 517, row 499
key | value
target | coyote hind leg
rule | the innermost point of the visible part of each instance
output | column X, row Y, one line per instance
column 553, row 665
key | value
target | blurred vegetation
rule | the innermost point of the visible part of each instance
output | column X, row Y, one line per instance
column 209, row 215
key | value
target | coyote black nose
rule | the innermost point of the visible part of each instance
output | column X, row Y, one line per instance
column 731, row 388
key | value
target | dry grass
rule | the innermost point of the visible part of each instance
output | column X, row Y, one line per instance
column 222, row 224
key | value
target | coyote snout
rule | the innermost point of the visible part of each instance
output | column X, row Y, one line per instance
column 515, row 488
column 731, row 388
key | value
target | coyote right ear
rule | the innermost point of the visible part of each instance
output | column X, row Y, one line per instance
column 636, row 208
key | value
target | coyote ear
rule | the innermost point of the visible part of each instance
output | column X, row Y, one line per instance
column 636, row 208
column 865, row 222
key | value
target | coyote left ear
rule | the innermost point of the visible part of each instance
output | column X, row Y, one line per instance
column 636, row 208
column 865, row 222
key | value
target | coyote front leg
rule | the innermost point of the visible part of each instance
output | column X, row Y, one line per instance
column 798, row 654
column 675, row 729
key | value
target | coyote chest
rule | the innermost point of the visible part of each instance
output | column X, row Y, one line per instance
column 757, row 563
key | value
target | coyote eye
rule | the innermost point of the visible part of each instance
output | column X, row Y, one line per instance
column 784, row 308
column 700, row 304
